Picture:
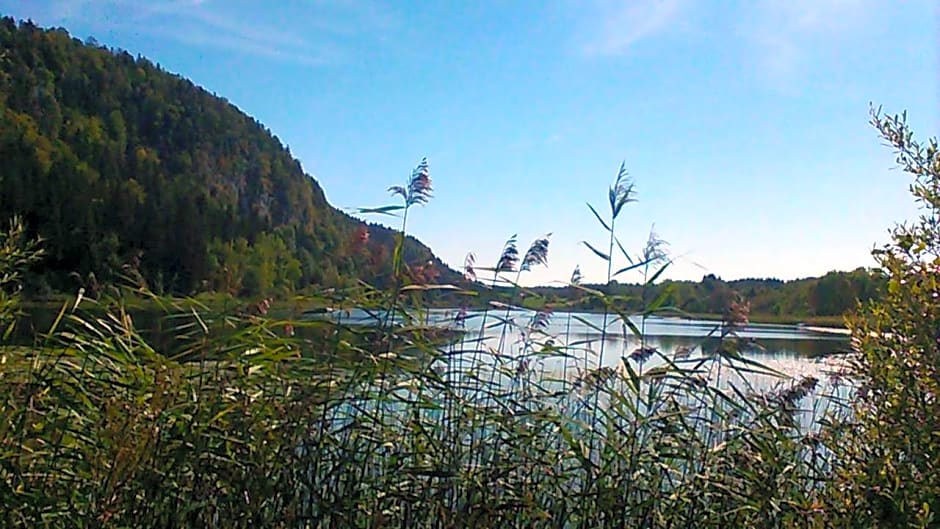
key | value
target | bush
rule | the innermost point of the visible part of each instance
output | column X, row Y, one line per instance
column 889, row 455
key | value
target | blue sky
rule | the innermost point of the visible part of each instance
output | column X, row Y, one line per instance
column 743, row 124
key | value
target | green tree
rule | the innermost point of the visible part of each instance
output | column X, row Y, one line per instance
column 889, row 455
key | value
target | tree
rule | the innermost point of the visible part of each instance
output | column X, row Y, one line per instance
column 888, row 454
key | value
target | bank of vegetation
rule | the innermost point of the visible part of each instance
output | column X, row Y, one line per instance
column 237, row 418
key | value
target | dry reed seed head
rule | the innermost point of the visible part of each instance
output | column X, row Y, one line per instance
column 594, row 378
column 656, row 249
column 576, row 276
column 798, row 390
column 509, row 258
column 537, row 254
column 418, row 190
column 259, row 309
column 738, row 314
column 621, row 192
column 642, row 354
column 682, row 352
column 419, row 187
column 399, row 190
column 809, row 383
column 460, row 319
column 468, row 271
column 522, row 366
column 540, row 320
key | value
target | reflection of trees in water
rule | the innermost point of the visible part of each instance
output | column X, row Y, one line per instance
column 770, row 347
column 804, row 348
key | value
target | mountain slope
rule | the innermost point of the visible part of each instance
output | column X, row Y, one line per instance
column 113, row 160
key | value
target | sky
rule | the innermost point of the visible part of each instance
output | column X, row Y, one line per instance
column 744, row 125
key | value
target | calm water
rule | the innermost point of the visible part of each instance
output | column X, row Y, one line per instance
column 789, row 349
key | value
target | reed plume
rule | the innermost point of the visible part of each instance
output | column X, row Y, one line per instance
column 537, row 254
column 509, row 257
column 419, row 188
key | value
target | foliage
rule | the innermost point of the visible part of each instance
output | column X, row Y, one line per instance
column 890, row 475
column 114, row 162
column 832, row 295
column 17, row 252
column 243, row 419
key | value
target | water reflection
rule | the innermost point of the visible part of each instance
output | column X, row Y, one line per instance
column 789, row 353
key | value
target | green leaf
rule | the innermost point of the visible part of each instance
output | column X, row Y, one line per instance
column 382, row 210
column 599, row 219
column 631, row 267
column 660, row 299
column 658, row 273
column 623, row 250
column 58, row 320
column 589, row 324
column 599, row 253
column 629, row 323
column 634, row 377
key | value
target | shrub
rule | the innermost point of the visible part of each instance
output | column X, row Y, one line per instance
column 889, row 472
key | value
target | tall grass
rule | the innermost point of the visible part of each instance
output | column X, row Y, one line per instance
column 249, row 420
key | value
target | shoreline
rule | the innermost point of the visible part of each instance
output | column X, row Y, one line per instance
column 820, row 324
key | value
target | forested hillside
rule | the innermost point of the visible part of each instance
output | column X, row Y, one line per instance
column 115, row 162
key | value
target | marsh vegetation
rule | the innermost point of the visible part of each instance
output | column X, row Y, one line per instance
column 244, row 419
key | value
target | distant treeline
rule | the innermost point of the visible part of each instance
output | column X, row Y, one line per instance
column 831, row 295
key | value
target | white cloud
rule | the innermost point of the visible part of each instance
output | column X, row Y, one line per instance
column 788, row 35
column 613, row 27
column 311, row 39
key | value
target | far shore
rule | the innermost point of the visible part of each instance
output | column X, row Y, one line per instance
column 821, row 324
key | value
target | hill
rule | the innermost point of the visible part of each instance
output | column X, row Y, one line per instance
column 114, row 161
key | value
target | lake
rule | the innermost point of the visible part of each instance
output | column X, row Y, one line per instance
column 781, row 342
column 790, row 349
column 514, row 339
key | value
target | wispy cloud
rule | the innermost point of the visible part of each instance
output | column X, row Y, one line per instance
column 783, row 40
column 787, row 35
column 307, row 34
column 196, row 23
column 613, row 27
